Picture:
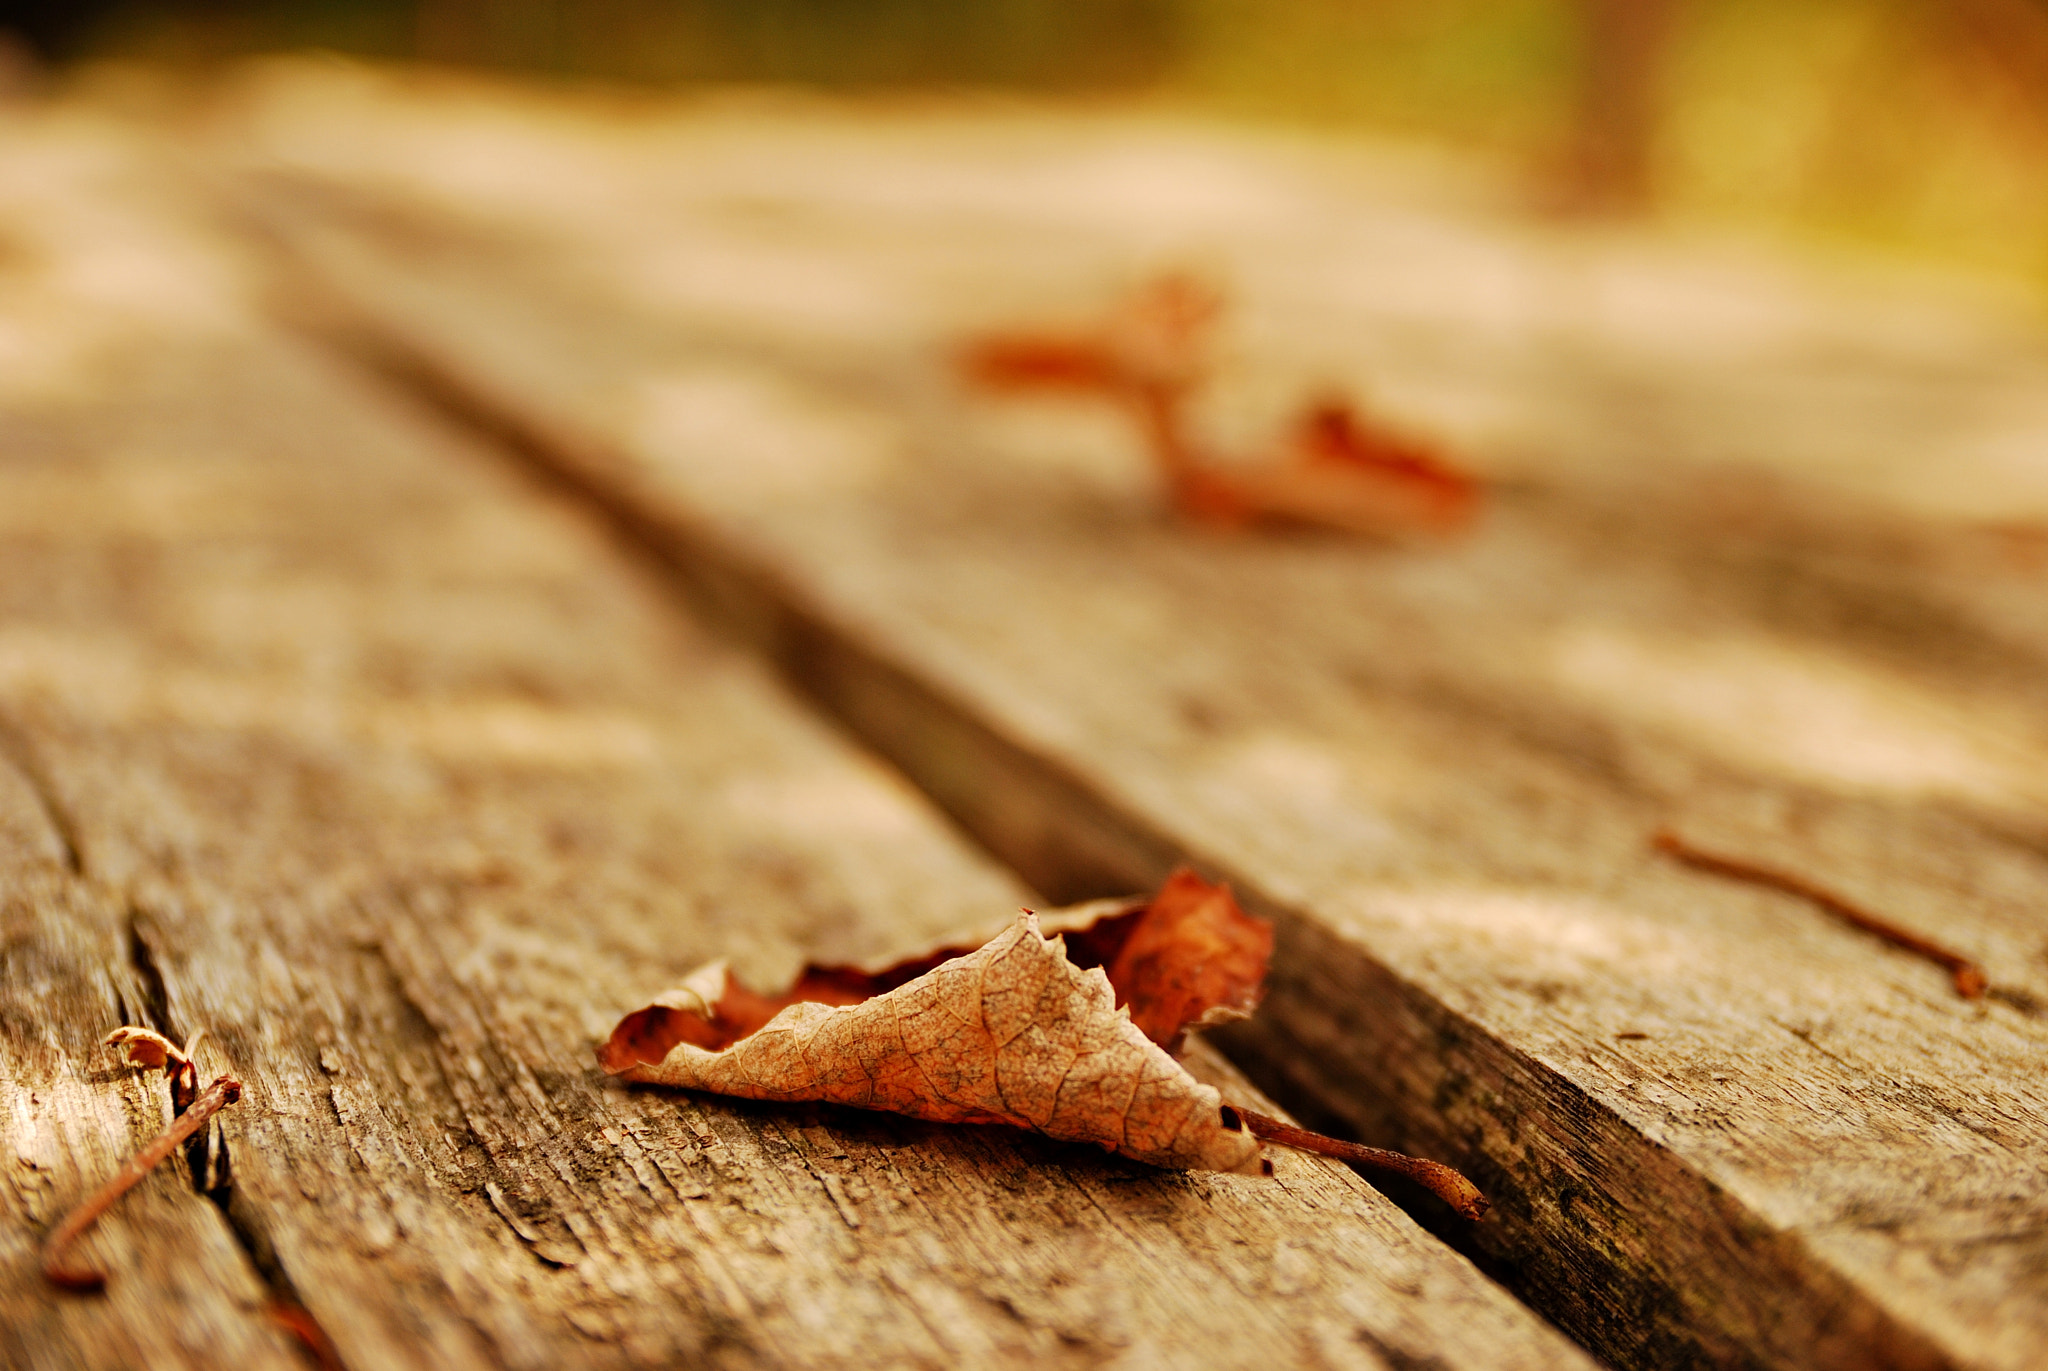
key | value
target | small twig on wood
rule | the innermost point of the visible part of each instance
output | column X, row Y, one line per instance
column 1970, row 980
column 1439, row 1180
column 212, row 1100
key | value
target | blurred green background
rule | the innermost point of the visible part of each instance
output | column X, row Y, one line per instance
column 1914, row 125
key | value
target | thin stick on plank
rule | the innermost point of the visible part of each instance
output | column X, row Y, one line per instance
column 1970, row 980
column 1439, row 1180
column 217, row 1096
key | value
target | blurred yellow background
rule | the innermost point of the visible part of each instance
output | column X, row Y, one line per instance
column 1916, row 126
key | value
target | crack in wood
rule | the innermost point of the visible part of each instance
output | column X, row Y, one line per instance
column 210, row 1165
column 206, row 1156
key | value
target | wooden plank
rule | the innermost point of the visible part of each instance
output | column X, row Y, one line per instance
column 411, row 782
column 1726, row 1130
column 182, row 1293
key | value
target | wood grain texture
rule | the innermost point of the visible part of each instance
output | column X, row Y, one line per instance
column 404, row 783
column 181, row 1293
column 1723, row 1130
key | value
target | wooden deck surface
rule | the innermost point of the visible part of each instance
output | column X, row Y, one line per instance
column 353, row 715
column 332, row 734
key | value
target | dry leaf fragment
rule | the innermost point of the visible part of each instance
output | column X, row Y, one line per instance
column 1149, row 355
column 1336, row 468
column 1012, row 1033
column 148, row 1049
column 152, row 1051
column 1155, row 339
column 1193, row 959
column 1021, row 1031
column 1343, row 470
column 1185, row 958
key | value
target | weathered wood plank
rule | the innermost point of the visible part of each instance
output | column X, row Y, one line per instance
column 410, row 783
column 1727, row 1131
column 181, row 1291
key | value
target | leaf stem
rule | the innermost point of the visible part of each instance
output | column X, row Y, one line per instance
column 1970, row 980
column 211, row 1101
column 1439, row 1180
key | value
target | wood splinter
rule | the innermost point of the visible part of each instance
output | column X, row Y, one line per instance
column 1439, row 1180
column 1970, row 980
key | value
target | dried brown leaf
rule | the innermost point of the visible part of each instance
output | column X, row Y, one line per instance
column 1067, row 1035
column 152, row 1051
column 147, row 1048
column 1011, row 1033
column 1346, row 471
column 1156, row 339
column 1337, row 468
column 1192, row 960
column 1186, row 958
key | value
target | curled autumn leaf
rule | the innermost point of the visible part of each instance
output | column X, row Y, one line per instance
column 1066, row 1035
column 1189, row 957
column 1073, row 1035
column 1012, row 1033
column 1337, row 467
column 152, row 1051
